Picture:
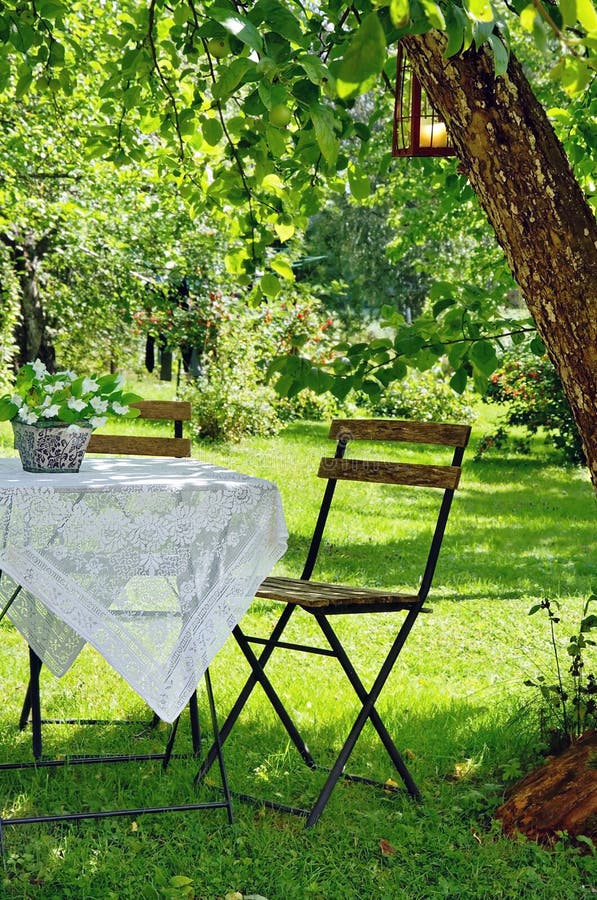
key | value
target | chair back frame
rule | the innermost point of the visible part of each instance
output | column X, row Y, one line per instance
column 447, row 477
column 176, row 411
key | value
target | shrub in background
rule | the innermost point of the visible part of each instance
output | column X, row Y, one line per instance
column 530, row 389
column 229, row 397
column 426, row 396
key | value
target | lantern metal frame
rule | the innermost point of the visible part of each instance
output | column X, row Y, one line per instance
column 418, row 129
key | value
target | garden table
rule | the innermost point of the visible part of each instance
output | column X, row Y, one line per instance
column 151, row 561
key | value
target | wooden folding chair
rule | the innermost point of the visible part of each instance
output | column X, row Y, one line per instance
column 177, row 412
column 324, row 600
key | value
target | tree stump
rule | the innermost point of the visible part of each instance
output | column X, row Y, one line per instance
column 561, row 795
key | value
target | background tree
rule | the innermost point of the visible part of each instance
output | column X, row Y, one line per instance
column 248, row 108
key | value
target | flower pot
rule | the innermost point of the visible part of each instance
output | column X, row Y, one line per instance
column 51, row 447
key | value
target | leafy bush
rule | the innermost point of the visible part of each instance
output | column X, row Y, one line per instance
column 229, row 397
column 530, row 388
column 426, row 396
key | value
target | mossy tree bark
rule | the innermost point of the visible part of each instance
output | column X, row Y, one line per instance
column 522, row 177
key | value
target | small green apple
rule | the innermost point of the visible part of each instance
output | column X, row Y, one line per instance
column 218, row 47
column 280, row 115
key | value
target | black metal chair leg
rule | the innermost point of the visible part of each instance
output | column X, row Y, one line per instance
column 364, row 695
column 257, row 676
column 34, row 670
column 170, row 744
column 367, row 712
column 195, row 725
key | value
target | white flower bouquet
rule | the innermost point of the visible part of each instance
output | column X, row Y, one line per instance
column 44, row 399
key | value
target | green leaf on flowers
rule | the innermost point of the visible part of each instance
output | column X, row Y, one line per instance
column 8, row 409
column 364, row 59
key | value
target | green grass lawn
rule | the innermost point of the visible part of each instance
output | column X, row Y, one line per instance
column 522, row 528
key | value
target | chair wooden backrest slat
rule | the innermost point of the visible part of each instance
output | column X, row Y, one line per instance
column 395, row 430
column 169, row 410
column 383, row 472
column 176, row 411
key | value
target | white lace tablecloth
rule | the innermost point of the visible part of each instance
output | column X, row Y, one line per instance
column 151, row 561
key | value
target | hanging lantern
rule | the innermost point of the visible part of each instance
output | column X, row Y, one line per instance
column 418, row 130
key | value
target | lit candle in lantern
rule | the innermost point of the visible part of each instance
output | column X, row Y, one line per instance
column 433, row 134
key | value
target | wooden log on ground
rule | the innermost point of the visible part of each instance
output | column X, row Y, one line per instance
column 559, row 796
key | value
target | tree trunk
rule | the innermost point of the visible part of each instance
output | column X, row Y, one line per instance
column 522, row 177
column 32, row 338
column 559, row 796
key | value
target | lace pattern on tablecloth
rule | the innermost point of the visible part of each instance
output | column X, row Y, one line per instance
column 153, row 571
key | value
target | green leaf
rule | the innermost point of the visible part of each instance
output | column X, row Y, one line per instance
column 212, row 131
column 399, row 12
column 568, row 11
column 323, row 125
column 230, row 76
column 537, row 346
column 360, row 186
column 364, row 59
column 279, row 19
column 439, row 307
column 281, row 265
column 50, row 9
column 483, row 356
column 433, row 14
column 458, row 380
column 276, row 140
column 481, row 10
column 457, row 24
column 8, row 409
column 23, row 84
column 238, row 26
column 586, row 15
column 407, row 343
column 501, row 54
column 527, row 17
column 270, row 285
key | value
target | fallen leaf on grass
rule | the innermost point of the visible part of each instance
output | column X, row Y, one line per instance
column 390, row 786
column 386, row 848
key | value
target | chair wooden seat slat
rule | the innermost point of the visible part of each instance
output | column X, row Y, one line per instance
column 322, row 600
column 316, row 594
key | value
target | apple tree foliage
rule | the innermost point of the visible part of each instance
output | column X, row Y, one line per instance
column 247, row 108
